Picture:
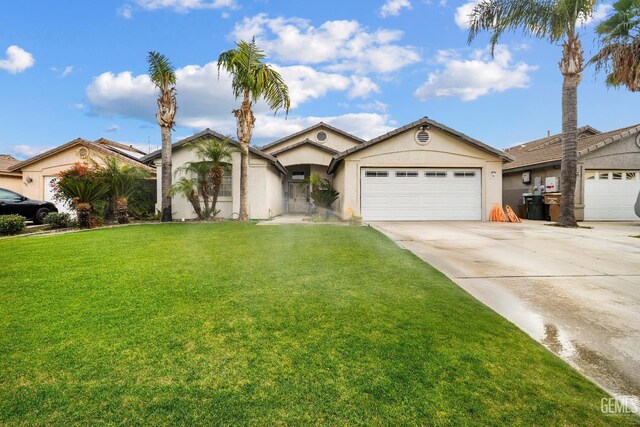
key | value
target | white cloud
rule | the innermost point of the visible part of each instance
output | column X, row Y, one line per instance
column 25, row 150
column 334, row 45
column 463, row 12
column 305, row 83
column 393, row 7
column 125, row 11
column 67, row 70
column 374, row 106
column 114, row 128
column 17, row 61
column 600, row 12
column 476, row 76
column 204, row 101
column 362, row 87
column 186, row 5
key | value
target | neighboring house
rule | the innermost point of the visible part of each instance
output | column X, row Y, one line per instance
column 39, row 172
column 9, row 180
column 608, row 177
column 421, row 171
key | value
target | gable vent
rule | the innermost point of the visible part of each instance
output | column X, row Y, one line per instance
column 422, row 137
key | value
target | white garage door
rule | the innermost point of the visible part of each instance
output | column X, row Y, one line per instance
column 421, row 194
column 610, row 195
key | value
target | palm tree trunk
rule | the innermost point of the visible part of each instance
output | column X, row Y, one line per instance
column 571, row 67
column 245, row 120
column 217, row 175
column 122, row 210
column 166, row 173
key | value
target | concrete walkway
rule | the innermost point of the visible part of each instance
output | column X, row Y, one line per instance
column 577, row 291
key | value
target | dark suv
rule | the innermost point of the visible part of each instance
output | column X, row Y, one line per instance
column 14, row 203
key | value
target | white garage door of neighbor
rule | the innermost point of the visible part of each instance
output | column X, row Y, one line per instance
column 610, row 195
column 49, row 182
column 421, row 194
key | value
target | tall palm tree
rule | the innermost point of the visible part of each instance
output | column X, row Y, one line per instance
column 217, row 155
column 620, row 52
column 163, row 76
column 555, row 21
column 252, row 80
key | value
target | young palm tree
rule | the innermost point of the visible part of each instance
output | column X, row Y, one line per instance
column 123, row 181
column 556, row 21
column 186, row 188
column 620, row 52
column 201, row 171
column 163, row 76
column 82, row 194
column 252, row 80
column 217, row 154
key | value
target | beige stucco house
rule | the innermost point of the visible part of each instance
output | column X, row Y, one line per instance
column 38, row 173
column 421, row 171
column 608, row 180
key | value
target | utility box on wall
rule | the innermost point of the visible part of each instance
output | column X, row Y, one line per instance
column 551, row 184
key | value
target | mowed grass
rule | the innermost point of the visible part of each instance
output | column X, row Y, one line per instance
column 233, row 324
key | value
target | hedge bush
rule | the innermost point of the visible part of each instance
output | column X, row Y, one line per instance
column 59, row 220
column 11, row 224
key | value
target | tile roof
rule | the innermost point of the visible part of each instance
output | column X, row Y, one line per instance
column 208, row 132
column 423, row 121
column 549, row 150
column 7, row 161
column 317, row 125
column 100, row 148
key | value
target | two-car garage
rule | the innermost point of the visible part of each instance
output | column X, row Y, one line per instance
column 420, row 194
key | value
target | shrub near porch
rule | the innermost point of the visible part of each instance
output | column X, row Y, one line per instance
column 236, row 324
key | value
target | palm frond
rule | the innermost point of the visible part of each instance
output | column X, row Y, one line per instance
column 161, row 71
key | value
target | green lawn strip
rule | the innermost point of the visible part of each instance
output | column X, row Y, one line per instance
column 240, row 324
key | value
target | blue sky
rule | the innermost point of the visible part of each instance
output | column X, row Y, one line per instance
column 76, row 68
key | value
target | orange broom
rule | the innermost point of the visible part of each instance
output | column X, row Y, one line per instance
column 497, row 214
column 512, row 215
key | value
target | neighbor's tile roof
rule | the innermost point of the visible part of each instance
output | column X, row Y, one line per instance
column 98, row 147
column 549, row 150
column 6, row 161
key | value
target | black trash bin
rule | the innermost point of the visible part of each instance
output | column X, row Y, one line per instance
column 535, row 207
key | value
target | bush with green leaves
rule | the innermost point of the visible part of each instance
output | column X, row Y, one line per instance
column 11, row 224
column 59, row 220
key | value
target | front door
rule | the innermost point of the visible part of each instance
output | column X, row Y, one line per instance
column 298, row 198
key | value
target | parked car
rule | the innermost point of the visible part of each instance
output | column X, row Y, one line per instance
column 34, row 210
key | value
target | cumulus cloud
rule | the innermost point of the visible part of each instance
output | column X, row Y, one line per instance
column 17, row 60
column 204, row 101
column 26, row 151
column 476, row 76
column 342, row 45
column 67, row 70
column 462, row 14
column 393, row 7
column 125, row 11
column 186, row 5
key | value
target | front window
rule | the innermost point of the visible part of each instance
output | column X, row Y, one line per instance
column 226, row 190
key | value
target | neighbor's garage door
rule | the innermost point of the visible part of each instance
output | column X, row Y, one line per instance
column 610, row 195
column 421, row 194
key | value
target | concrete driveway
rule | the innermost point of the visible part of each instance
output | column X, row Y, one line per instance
column 577, row 291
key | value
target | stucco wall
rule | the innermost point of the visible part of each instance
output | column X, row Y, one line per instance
column 12, row 183
column 401, row 150
column 512, row 186
column 305, row 154
column 334, row 140
column 261, row 200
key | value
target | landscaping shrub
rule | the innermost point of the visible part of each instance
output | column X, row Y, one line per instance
column 59, row 220
column 11, row 224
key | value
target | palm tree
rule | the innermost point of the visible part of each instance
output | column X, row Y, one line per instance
column 620, row 52
column 163, row 76
column 201, row 181
column 252, row 80
column 82, row 194
column 123, row 181
column 217, row 155
column 187, row 188
column 555, row 21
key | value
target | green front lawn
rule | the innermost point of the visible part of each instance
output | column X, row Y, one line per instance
column 240, row 324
